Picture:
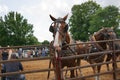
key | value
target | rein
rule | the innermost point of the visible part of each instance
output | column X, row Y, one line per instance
column 69, row 48
column 97, row 45
column 65, row 44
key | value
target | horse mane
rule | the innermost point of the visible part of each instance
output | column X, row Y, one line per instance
column 101, row 30
column 98, row 32
column 68, row 39
column 71, row 39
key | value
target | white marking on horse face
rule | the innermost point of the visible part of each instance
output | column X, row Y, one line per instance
column 57, row 41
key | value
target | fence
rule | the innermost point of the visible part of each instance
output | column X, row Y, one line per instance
column 59, row 76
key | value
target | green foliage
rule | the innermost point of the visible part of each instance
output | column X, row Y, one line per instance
column 15, row 30
column 106, row 17
column 45, row 42
column 89, row 17
column 32, row 40
column 79, row 21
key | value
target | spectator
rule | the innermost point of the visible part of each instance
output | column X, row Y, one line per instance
column 14, row 67
column 4, row 57
column 20, row 52
column 0, row 59
column 10, row 51
column 43, row 52
column 36, row 52
column 0, row 54
column 46, row 50
column 39, row 52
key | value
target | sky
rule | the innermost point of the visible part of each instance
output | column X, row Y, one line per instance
column 37, row 12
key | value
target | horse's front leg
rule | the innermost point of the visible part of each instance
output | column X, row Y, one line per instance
column 98, row 71
column 80, row 68
column 66, row 73
column 72, row 71
column 109, row 57
column 94, row 71
column 72, row 75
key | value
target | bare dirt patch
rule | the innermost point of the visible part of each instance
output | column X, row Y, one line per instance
column 43, row 64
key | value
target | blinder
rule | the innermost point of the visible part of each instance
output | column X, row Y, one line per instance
column 51, row 28
column 107, row 33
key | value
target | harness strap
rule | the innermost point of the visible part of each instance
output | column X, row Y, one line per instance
column 97, row 45
column 92, row 38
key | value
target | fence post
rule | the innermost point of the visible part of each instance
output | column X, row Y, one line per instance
column 57, row 59
column 114, row 64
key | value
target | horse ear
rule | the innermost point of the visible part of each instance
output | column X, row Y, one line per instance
column 65, row 17
column 54, row 19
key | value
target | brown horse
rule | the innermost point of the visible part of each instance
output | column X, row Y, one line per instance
column 81, row 48
column 109, row 57
column 102, row 34
column 59, row 28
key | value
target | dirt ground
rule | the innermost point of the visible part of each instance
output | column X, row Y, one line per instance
column 43, row 64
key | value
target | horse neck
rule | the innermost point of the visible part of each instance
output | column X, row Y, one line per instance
column 117, row 44
column 99, row 38
column 67, row 41
column 67, row 38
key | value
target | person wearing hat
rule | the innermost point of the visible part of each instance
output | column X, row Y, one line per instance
column 14, row 67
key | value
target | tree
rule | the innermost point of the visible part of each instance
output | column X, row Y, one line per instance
column 45, row 42
column 16, row 30
column 79, row 21
column 106, row 17
column 32, row 40
column 3, row 33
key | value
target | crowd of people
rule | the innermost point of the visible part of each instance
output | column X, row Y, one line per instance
column 39, row 52
column 42, row 52
column 8, row 54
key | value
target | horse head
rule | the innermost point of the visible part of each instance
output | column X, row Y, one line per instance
column 105, row 34
column 108, row 33
column 59, row 28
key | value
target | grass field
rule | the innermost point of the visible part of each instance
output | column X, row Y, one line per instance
column 43, row 64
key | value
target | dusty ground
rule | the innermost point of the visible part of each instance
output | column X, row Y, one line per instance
column 33, row 65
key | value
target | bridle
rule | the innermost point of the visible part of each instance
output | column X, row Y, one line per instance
column 54, row 27
column 110, row 35
column 92, row 38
